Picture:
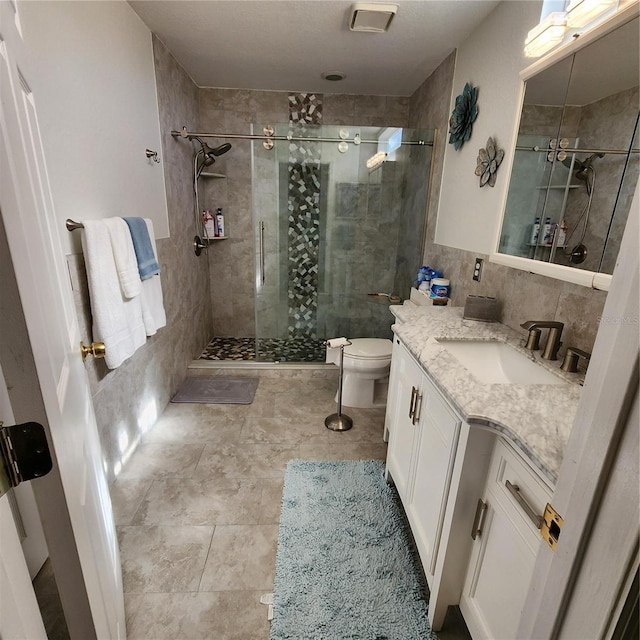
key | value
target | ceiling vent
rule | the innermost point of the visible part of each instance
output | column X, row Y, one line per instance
column 373, row 17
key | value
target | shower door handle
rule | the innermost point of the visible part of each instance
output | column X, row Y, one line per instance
column 261, row 246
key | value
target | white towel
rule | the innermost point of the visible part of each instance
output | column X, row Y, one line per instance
column 124, row 256
column 153, row 312
column 116, row 321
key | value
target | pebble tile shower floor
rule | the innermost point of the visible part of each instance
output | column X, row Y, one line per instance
column 298, row 349
column 197, row 506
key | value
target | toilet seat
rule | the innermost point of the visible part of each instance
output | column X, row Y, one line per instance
column 369, row 349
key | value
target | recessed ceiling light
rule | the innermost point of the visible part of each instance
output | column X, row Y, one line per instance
column 373, row 17
column 334, row 76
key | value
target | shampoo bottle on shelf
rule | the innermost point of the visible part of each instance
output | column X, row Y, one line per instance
column 220, row 222
column 547, row 231
column 535, row 232
column 209, row 224
column 562, row 233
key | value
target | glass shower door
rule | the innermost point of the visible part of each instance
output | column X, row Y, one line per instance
column 329, row 231
column 277, row 339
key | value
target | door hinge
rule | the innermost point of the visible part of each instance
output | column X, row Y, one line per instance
column 24, row 454
column 551, row 526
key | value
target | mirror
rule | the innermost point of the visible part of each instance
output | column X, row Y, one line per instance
column 576, row 161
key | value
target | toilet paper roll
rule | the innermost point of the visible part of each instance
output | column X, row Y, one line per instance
column 334, row 343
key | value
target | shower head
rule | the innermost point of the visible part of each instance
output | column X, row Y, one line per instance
column 584, row 166
column 581, row 167
column 209, row 154
column 220, row 150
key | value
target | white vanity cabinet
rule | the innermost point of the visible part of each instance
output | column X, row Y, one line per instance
column 422, row 446
column 506, row 544
column 441, row 467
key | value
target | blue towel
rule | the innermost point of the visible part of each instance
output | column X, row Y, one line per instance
column 147, row 265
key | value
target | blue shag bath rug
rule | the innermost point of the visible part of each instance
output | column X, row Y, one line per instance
column 345, row 567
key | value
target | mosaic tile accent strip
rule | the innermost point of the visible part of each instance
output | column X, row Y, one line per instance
column 303, row 203
column 298, row 349
column 305, row 108
column 303, row 248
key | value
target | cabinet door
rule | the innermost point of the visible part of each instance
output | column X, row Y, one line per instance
column 502, row 565
column 390, row 412
column 435, row 455
column 505, row 551
column 408, row 377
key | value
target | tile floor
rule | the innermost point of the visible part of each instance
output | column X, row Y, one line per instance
column 197, row 506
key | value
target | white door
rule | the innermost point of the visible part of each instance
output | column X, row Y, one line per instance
column 23, row 620
column 47, row 302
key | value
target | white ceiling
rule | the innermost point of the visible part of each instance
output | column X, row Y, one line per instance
column 285, row 45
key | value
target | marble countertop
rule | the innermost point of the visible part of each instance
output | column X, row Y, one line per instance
column 536, row 418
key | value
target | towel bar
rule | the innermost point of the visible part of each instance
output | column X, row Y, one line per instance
column 72, row 225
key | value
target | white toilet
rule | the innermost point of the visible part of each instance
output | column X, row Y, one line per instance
column 366, row 372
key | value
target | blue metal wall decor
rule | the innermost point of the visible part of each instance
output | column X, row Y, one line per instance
column 463, row 116
column 489, row 160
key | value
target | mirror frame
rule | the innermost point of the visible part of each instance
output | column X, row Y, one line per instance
column 592, row 279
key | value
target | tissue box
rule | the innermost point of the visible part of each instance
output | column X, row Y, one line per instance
column 481, row 308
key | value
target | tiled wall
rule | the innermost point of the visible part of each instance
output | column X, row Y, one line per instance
column 128, row 399
column 232, row 261
column 606, row 124
column 523, row 295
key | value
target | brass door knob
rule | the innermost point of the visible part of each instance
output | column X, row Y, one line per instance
column 95, row 349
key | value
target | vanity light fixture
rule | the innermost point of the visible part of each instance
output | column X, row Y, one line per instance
column 580, row 13
column 546, row 35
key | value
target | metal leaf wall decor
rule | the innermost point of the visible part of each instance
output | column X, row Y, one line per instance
column 489, row 160
column 463, row 116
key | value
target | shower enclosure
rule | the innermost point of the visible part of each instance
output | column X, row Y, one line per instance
column 331, row 230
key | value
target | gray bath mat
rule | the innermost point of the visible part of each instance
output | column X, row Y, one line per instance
column 217, row 390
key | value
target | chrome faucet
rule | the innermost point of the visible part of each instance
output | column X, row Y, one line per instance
column 550, row 351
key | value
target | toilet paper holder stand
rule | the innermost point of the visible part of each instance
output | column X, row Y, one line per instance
column 339, row 421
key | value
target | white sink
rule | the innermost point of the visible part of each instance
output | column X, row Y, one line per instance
column 498, row 363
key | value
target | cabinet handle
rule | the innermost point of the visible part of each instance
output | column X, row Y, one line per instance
column 417, row 409
column 478, row 520
column 414, row 393
column 514, row 489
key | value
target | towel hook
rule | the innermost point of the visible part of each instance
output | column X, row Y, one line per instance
column 152, row 154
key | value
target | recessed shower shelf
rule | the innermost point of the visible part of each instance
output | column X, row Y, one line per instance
column 208, row 174
column 217, row 238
